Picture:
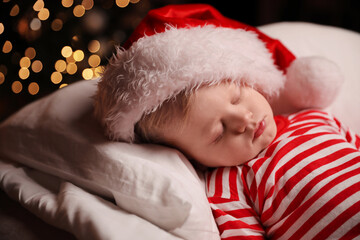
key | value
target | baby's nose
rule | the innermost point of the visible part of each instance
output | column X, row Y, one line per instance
column 242, row 121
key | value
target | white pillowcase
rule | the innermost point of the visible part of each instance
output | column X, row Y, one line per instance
column 58, row 135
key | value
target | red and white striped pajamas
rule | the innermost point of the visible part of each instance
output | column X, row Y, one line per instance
column 304, row 185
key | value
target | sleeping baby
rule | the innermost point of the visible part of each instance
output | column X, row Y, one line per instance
column 209, row 86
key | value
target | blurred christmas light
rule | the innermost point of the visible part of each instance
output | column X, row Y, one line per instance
column 57, row 24
column 87, row 73
column 35, row 24
column 2, row 78
column 94, row 60
column 122, row 3
column 7, row 47
column 60, row 65
column 30, row 53
column 33, row 88
column 63, row 85
column 78, row 55
column 88, row 4
column 15, row 10
column 66, row 51
column 25, row 62
column 94, row 46
column 38, row 5
column 36, row 66
column 71, row 68
column 79, row 11
column 24, row 73
column 2, row 28
column 16, row 87
column 56, row 77
column 67, row 3
column 44, row 14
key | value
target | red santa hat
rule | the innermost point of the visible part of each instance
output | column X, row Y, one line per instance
column 178, row 48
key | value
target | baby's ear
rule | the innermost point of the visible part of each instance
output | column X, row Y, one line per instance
column 311, row 82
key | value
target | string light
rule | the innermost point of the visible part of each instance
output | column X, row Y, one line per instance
column 94, row 46
column 2, row 78
column 67, row 3
column 36, row 66
column 60, row 65
column 79, row 11
column 33, row 88
column 16, row 87
column 2, row 28
column 66, row 51
column 7, row 47
column 122, row 3
column 30, row 53
column 38, row 5
column 44, row 14
column 94, row 60
column 24, row 62
column 15, row 10
column 74, row 58
column 35, row 24
column 57, row 25
column 78, row 55
column 24, row 73
column 56, row 77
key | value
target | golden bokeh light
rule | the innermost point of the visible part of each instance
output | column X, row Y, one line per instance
column 2, row 28
column 38, row 5
column 30, row 52
column 25, row 62
column 71, row 68
column 44, row 14
column 87, row 73
column 57, row 25
column 98, row 71
column 66, row 51
column 122, row 3
column 2, row 78
column 94, row 60
column 67, row 3
column 33, row 88
column 16, row 87
column 56, row 77
column 35, row 24
column 36, row 66
column 94, row 46
column 60, row 65
column 79, row 11
column 7, row 47
column 24, row 73
column 63, row 85
column 78, row 55
column 70, row 59
column 15, row 10
column 88, row 4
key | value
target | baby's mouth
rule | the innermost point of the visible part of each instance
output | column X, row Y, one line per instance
column 259, row 130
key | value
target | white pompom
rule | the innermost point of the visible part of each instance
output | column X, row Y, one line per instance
column 312, row 82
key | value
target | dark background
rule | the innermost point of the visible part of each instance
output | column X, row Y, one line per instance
column 118, row 23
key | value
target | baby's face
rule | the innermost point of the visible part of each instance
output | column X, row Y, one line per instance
column 227, row 126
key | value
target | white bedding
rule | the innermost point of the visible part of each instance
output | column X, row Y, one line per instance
column 55, row 161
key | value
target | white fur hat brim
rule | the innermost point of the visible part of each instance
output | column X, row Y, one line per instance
column 157, row 67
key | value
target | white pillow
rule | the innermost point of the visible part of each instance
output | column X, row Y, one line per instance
column 58, row 135
column 339, row 45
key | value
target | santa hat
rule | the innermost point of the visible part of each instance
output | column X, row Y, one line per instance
column 178, row 48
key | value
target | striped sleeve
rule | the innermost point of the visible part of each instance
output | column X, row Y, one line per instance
column 233, row 212
column 349, row 135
